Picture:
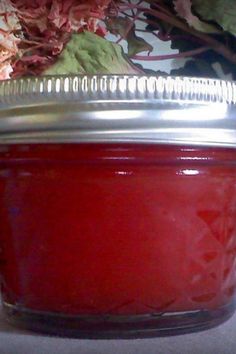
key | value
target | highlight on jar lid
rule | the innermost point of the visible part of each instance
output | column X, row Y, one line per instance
column 116, row 108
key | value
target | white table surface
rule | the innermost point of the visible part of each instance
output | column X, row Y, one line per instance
column 220, row 340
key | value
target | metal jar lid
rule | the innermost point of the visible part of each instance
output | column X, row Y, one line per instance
column 135, row 109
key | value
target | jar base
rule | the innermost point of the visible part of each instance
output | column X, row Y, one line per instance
column 111, row 327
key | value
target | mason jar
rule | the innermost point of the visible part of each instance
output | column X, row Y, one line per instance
column 117, row 204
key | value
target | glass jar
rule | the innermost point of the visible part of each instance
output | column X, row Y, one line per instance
column 117, row 204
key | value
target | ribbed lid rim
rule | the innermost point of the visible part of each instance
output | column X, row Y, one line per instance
column 121, row 86
column 118, row 108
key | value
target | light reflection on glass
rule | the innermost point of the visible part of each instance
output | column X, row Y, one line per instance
column 189, row 172
column 124, row 173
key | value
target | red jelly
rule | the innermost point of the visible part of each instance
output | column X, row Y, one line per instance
column 117, row 239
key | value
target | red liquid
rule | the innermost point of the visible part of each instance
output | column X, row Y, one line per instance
column 117, row 229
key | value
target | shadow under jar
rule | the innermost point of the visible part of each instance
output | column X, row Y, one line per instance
column 117, row 205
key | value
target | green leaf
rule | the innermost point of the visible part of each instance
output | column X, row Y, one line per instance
column 137, row 45
column 125, row 28
column 184, row 10
column 119, row 26
column 87, row 53
column 221, row 11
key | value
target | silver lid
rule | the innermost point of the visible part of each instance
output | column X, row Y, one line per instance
column 142, row 109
